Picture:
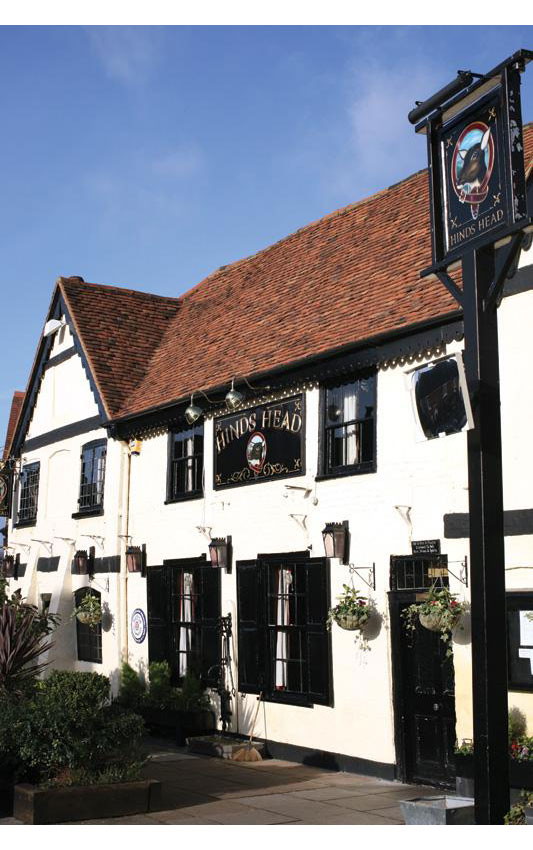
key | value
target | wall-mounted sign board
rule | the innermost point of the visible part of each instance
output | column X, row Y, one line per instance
column 477, row 177
column 425, row 547
column 5, row 493
column 263, row 443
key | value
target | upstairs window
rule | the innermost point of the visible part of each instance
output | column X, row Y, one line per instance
column 284, row 645
column 186, row 463
column 349, row 412
column 28, row 494
column 93, row 457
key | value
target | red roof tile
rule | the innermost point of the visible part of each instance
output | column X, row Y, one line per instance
column 348, row 277
column 14, row 413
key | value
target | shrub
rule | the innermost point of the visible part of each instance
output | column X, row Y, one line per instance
column 192, row 695
column 159, row 688
column 132, row 689
column 68, row 724
column 516, row 815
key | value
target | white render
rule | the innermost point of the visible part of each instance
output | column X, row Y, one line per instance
column 429, row 477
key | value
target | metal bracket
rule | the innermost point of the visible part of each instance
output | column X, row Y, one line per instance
column 371, row 582
column 105, row 586
column 495, row 293
column 463, row 577
column 451, row 286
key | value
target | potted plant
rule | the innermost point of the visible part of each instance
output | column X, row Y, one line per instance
column 440, row 612
column 89, row 611
column 352, row 610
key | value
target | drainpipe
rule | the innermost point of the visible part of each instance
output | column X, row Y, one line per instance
column 123, row 594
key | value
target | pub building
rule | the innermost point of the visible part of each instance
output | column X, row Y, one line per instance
column 192, row 458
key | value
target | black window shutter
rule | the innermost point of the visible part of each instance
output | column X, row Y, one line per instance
column 210, row 612
column 317, row 635
column 251, row 632
column 157, row 614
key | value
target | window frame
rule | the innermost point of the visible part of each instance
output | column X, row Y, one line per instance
column 169, row 627
column 91, row 637
column 172, row 495
column 25, row 471
column 267, row 632
column 96, row 508
column 516, row 600
column 325, row 471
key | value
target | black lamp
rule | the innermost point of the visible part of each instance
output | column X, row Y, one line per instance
column 220, row 551
column 84, row 562
column 7, row 564
column 336, row 540
column 136, row 558
column 192, row 412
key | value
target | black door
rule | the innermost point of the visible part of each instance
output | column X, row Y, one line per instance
column 424, row 697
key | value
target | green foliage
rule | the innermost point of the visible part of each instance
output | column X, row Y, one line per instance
column 516, row 815
column 132, row 688
column 192, row 696
column 67, row 724
column 23, row 633
column 107, row 776
column 89, row 611
column 350, row 604
column 159, row 687
column 517, row 723
column 441, row 605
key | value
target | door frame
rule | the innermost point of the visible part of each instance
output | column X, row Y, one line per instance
column 396, row 599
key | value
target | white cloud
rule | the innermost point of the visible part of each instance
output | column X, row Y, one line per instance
column 180, row 163
column 128, row 54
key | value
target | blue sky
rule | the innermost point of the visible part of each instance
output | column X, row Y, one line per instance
column 148, row 156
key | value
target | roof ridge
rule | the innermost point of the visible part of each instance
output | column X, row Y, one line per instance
column 123, row 289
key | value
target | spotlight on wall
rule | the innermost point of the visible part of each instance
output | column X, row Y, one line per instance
column 220, row 550
column 52, row 326
column 192, row 412
column 336, row 540
column 233, row 397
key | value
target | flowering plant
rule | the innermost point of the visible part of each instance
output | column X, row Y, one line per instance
column 89, row 611
column 352, row 610
column 440, row 612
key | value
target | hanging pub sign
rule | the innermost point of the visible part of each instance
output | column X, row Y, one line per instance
column 476, row 155
column 5, row 493
column 260, row 444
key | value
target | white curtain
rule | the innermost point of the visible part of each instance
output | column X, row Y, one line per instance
column 350, row 412
column 284, row 581
column 189, row 469
column 186, row 616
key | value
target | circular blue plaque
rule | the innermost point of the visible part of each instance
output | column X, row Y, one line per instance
column 138, row 625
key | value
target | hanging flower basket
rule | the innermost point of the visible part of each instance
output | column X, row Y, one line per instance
column 89, row 611
column 439, row 612
column 351, row 622
column 351, row 612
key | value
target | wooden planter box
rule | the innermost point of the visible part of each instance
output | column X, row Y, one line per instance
column 179, row 725
column 7, row 786
column 520, row 775
column 35, row 805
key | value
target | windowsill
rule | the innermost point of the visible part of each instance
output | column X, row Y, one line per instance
column 90, row 512
column 25, row 523
column 186, row 497
column 365, row 469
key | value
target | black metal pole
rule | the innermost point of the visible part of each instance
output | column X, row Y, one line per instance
column 489, row 644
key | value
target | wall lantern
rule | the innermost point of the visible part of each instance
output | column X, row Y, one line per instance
column 7, row 567
column 136, row 559
column 84, row 562
column 220, row 550
column 336, row 536
column 233, row 397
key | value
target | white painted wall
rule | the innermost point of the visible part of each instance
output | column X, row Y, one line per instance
column 429, row 477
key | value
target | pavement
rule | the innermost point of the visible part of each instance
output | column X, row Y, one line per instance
column 201, row 790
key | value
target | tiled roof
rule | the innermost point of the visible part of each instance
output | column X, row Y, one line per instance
column 344, row 279
column 119, row 329
column 348, row 277
column 14, row 413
